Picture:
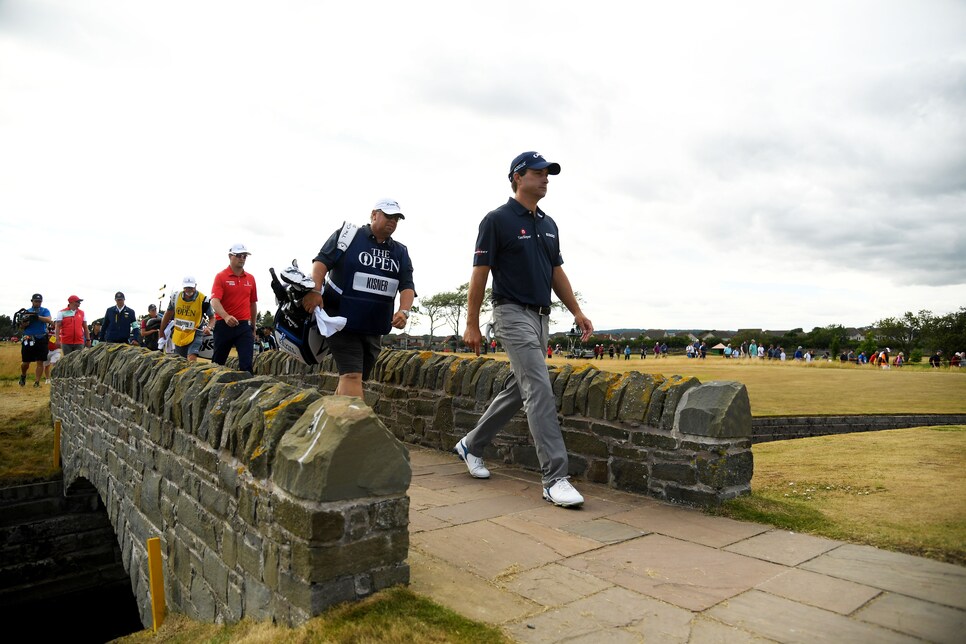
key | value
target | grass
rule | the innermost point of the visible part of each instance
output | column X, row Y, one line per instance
column 394, row 616
column 901, row 489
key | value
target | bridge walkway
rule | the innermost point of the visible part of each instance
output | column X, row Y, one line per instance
column 629, row 568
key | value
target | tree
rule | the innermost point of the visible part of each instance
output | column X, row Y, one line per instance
column 266, row 319
column 946, row 332
column 905, row 333
column 432, row 308
column 7, row 327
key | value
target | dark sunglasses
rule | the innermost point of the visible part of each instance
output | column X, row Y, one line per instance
column 395, row 217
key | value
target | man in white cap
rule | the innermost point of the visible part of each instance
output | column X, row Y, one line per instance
column 187, row 308
column 362, row 269
column 235, row 301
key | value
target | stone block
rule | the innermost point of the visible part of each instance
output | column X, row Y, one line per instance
column 681, row 473
column 715, row 409
column 720, row 471
column 628, row 475
column 600, row 390
column 675, row 390
column 340, row 450
column 310, row 523
column 637, row 395
column 585, row 444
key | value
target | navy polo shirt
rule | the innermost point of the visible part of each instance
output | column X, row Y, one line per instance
column 521, row 250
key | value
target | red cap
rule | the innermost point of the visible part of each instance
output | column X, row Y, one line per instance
column 74, row 298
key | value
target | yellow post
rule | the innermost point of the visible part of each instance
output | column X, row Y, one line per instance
column 57, row 445
column 156, row 578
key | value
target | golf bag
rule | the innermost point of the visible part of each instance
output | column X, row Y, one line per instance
column 295, row 330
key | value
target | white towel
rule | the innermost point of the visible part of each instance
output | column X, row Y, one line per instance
column 328, row 325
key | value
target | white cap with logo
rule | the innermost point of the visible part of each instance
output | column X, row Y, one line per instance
column 390, row 207
column 189, row 281
column 239, row 249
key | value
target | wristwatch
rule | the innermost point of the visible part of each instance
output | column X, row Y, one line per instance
column 405, row 312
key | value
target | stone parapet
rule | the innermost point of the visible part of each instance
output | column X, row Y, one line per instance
column 672, row 438
column 271, row 500
column 777, row 428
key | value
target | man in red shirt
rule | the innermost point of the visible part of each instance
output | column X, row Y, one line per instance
column 234, row 299
column 70, row 327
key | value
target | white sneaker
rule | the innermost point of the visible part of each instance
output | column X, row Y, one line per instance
column 473, row 463
column 562, row 493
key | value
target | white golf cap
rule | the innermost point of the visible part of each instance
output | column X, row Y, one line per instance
column 189, row 281
column 239, row 249
column 390, row 207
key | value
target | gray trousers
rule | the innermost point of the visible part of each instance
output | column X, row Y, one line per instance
column 524, row 334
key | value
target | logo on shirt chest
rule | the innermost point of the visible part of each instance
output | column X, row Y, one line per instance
column 523, row 234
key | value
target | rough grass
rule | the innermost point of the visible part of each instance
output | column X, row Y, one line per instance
column 394, row 616
column 901, row 489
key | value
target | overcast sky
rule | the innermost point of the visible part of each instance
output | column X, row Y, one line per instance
column 724, row 165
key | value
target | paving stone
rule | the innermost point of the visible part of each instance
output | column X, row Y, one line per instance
column 479, row 509
column 607, row 616
column 933, row 581
column 421, row 522
column 685, row 574
column 604, row 530
column 558, row 517
column 555, row 585
column 485, row 548
column 710, row 631
column 464, row 592
column 563, row 543
column 689, row 524
column 781, row 546
column 916, row 617
column 787, row 621
column 423, row 457
column 421, row 498
column 830, row 593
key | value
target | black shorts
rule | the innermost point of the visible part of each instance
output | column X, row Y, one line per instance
column 33, row 348
column 355, row 352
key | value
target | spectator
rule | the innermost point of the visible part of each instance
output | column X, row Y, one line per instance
column 188, row 308
column 151, row 328
column 957, row 359
column 643, row 352
column 70, row 328
column 627, row 352
column 234, row 299
column 935, row 360
column 753, row 349
column 267, row 339
column 362, row 277
column 118, row 321
column 33, row 341
column 664, row 349
column 53, row 352
column 95, row 332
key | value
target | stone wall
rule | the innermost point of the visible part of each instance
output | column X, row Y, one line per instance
column 271, row 500
column 672, row 438
column 777, row 428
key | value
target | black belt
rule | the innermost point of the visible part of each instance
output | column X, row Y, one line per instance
column 542, row 310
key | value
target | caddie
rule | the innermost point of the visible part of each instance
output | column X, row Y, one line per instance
column 361, row 270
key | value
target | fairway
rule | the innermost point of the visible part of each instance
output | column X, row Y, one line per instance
column 794, row 388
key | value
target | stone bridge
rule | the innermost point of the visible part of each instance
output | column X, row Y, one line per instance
column 273, row 501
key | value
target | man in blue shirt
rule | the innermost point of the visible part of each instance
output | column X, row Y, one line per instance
column 520, row 244
column 33, row 347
